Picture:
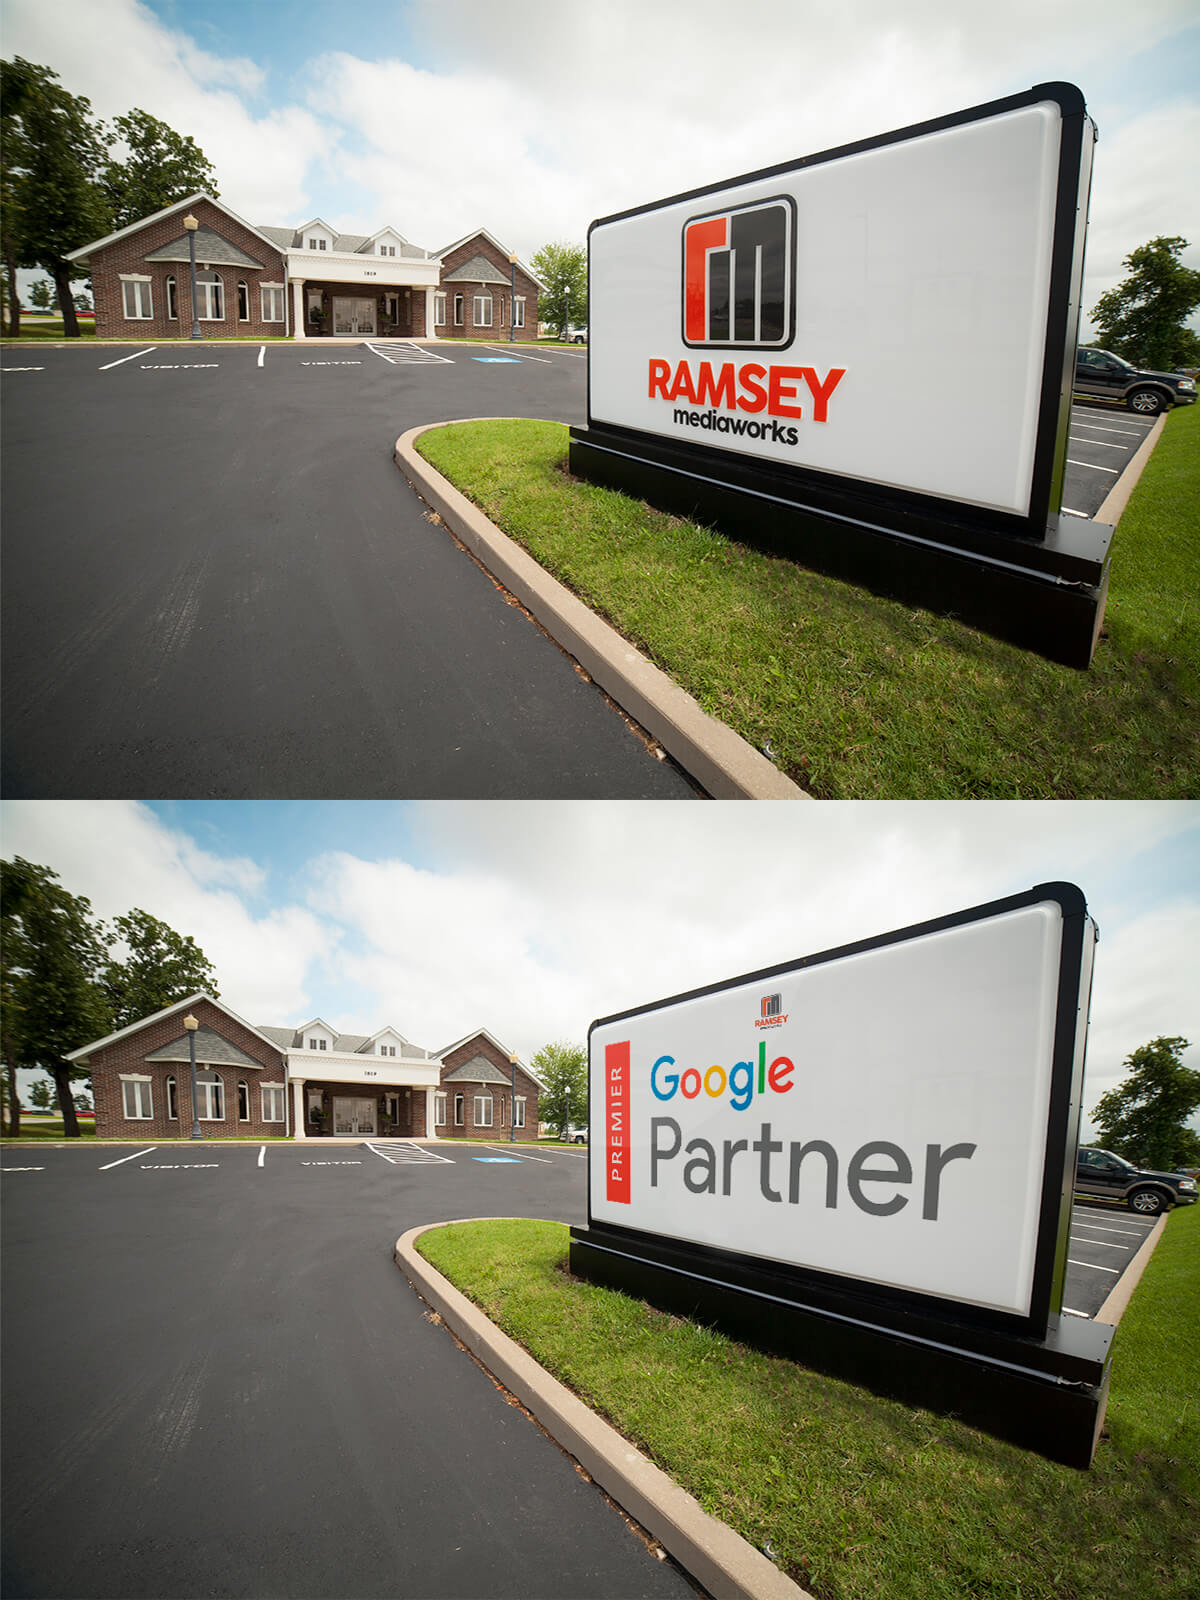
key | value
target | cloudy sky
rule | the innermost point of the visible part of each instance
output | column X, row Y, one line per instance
column 532, row 117
column 534, row 919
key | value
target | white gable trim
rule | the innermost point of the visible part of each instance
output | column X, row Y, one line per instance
column 184, row 1006
column 180, row 205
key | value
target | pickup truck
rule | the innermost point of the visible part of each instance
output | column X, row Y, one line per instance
column 1100, row 375
column 1100, row 1175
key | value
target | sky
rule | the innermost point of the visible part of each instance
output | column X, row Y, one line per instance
column 534, row 117
column 534, row 919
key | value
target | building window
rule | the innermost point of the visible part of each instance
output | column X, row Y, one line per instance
column 172, row 1100
column 243, row 1102
column 210, row 1096
column 138, row 1100
column 316, row 244
column 272, row 1103
column 439, row 1110
column 387, row 249
column 439, row 310
column 272, row 305
column 387, row 1049
column 483, row 311
column 210, row 297
column 458, row 1111
column 458, row 311
column 139, row 304
column 483, row 1110
column 172, row 301
column 519, row 1112
column 316, row 1044
column 519, row 311
column 243, row 300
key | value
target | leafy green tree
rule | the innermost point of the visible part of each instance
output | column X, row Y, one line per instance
column 561, row 1067
column 52, row 156
column 1143, row 318
column 52, row 955
column 1144, row 1118
column 561, row 267
column 160, row 967
column 41, row 1094
column 41, row 296
column 160, row 167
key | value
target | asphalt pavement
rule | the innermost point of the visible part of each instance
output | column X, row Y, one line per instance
column 218, row 1383
column 217, row 584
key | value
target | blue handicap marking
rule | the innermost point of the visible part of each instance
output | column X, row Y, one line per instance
column 516, row 1160
column 499, row 361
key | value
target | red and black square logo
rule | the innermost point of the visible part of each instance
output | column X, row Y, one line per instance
column 739, row 274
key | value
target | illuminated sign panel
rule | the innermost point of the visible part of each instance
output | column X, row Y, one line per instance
column 892, row 1114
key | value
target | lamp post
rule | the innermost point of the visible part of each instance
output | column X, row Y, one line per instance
column 567, row 1115
column 512, row 299
column 567, row 312
column 191, row 225
column 191, row 1025
column 512, row 1108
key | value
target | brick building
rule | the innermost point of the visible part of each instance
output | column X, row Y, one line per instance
column 268, row 1081
column 308, row 282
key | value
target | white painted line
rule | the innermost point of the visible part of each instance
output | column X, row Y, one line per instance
column 515, row 1150
column 181, row 1166
column 1099, row 1244
column 340, row 1162
column 388, row 1159
column 262, row 351
column 514, row 351
column 24, row 369
column 262, row 1156
column 124, row 1159
column 23, row 1169
column 1116, row 1271
column 381, row 355
column 1072, row 513
column 1098, row 1227
column 1116, row 471
column 1098, row 427
column 1099, row 444
column 121, row 363
column 1071, row 1313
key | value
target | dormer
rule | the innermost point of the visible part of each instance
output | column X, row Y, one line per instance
column 317, row 235
column 387, row 1042
column 317, row 1036
column 387, row 242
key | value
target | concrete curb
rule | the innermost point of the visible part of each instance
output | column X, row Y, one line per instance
column 722, row 1561
column 1115, row 1306
column 718, row 759
column 1118, row 496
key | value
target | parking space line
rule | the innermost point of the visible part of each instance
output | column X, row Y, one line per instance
column 262, row 1156
column 512, row 1150
column 1099, row 1244
column 133, row 1157
column 124, row 359
column 1099, row 444
column 262, row 352
column 1098, row 427
column 22, row 1169
column 1099, row 1227
column 1116, row 1271
column 510, row 350
column 1071, row 1313
column 1116, row 471
column 1073, row 513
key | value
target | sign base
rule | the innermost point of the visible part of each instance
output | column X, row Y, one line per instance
column 1044, row 594
column 1047, row 1395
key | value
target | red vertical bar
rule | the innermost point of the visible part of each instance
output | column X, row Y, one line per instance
column 616, row 1121
column 698, row 239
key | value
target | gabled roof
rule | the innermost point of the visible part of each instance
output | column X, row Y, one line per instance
column 211, row 1048
column 482, row 233
column 478, row 1070
column 344, row 1044
column 343, row 243
column 477, row 270
column 85, row 1051
column 482, row 1033
column 179, row 205
column 211, row 249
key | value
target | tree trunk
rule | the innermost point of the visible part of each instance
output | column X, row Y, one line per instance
column 66, row 1101
column 12, row 1102
column 66, row 304
column 13, row 331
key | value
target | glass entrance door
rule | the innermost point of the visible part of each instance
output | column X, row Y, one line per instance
column 353, row 1118
column 353, row 316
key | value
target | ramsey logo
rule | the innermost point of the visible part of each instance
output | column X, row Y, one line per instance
column 772, row 1014
column 739, row 276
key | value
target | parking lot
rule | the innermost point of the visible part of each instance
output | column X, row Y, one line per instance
column 1102, row 442
column 1104, row 1240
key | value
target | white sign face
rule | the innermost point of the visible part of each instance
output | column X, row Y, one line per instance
column 882, row 315
column 880, row 1116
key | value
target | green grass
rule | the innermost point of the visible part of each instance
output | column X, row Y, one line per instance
column 862, row 1498
column 858, row 697
column 51, row 1129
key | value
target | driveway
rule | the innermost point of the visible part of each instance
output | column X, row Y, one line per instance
column 218, row 584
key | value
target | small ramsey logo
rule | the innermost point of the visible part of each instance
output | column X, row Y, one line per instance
column 739, row 277
column 771, row 1012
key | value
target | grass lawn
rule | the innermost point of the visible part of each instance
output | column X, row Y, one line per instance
column 858, row 697
column 862, row 1498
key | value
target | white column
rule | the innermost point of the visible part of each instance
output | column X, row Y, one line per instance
column 299, row 1119
column 298, row 308
column 430, row 330
column 430, row 1114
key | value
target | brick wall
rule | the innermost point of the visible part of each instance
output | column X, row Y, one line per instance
column 128, row 255
column 479, row 246
column 128, row 1055
column 499, row 1093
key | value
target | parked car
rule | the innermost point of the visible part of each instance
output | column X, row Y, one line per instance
column 1101, row 375
column 577, row 335
column 1101, row 1175
column 577, row 1133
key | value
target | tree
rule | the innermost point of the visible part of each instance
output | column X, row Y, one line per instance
column 52, row 156
column 1143, row 318
column 161, row 966
column 1144, row 1118
column 53, row 953
column 560, row 267
column 40, row 295
column 161, row 166
column 42, row 1094
column 83, row 301
column 561, row 1067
